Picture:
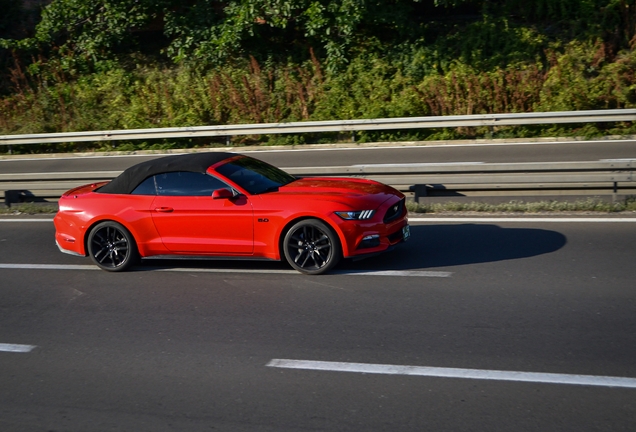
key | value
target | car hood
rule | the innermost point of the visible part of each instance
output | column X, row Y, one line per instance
column 343, row 188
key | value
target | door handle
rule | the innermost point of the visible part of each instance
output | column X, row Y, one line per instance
column 164, row 209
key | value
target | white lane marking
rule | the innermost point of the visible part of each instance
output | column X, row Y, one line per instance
column 457, row 219
column 209, row 270
column 80, row 157
column 417, row 165
column 534, row 377
column 48, row 267
column 430, row 144
column 16, row 348
column 417, row 273
column 406, row 273
column 26, row 220
column 523, row 220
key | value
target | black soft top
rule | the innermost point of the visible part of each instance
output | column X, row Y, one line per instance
column 128, row 180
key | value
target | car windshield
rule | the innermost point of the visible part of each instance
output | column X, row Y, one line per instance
column 255, row 176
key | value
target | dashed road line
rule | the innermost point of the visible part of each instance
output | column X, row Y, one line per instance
column 25, row 220
column 456, row 219
column 522, row 220
column 47, row 267
column 16, row 348
column 416, row 273
column 403, row 273
column 497, row 375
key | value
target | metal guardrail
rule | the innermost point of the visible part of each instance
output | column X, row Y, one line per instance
column 615, row 115
column 421, row 178
column 561, row 178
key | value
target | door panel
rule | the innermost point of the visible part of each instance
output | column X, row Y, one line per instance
column 202, row 225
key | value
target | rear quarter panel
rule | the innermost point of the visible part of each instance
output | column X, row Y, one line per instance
column 79, row 213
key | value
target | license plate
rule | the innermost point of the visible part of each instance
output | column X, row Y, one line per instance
column 406, row 232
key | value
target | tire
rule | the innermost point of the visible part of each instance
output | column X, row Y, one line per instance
column 112, row 247
column 311, row 247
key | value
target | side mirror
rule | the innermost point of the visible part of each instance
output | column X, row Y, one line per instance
column 222, row 194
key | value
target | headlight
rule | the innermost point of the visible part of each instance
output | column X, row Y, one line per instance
column 356, row 215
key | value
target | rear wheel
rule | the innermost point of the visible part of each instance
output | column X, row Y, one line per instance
column 311, row 247
column 112, row 247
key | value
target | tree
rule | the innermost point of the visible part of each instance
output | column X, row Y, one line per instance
column 210, row 32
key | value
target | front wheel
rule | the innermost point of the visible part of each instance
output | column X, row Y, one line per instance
column 112, row 247
column 311, row 247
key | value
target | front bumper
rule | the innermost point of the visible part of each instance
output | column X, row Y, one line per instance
column 371, row 237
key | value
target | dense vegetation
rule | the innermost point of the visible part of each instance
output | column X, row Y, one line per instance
column 114, row 64
column 512, row 207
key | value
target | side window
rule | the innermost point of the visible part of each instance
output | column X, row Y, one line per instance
column 184, row 183
column 146, row 187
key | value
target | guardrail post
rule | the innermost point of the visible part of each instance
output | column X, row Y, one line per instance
column 419, row 191
column 615, row 193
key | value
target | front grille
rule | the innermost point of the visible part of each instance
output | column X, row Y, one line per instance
column 394, row 211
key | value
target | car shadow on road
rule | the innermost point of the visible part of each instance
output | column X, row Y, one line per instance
column 430, row 246
column 459, row 244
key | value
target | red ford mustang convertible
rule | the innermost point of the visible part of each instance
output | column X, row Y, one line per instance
column 228, row 205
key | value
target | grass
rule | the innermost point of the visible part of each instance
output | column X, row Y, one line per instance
column 29, row 208
column 588, row 205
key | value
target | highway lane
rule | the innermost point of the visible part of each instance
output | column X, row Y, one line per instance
column 502, row 153
column 162, row 350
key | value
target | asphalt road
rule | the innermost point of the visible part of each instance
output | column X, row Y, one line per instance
column 500, row 153
column 185, row 345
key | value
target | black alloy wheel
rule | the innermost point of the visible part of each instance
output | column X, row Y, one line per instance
column 311, row 247
column 112, row 247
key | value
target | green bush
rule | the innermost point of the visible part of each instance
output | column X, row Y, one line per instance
column 370, row 87
column 587, row 205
